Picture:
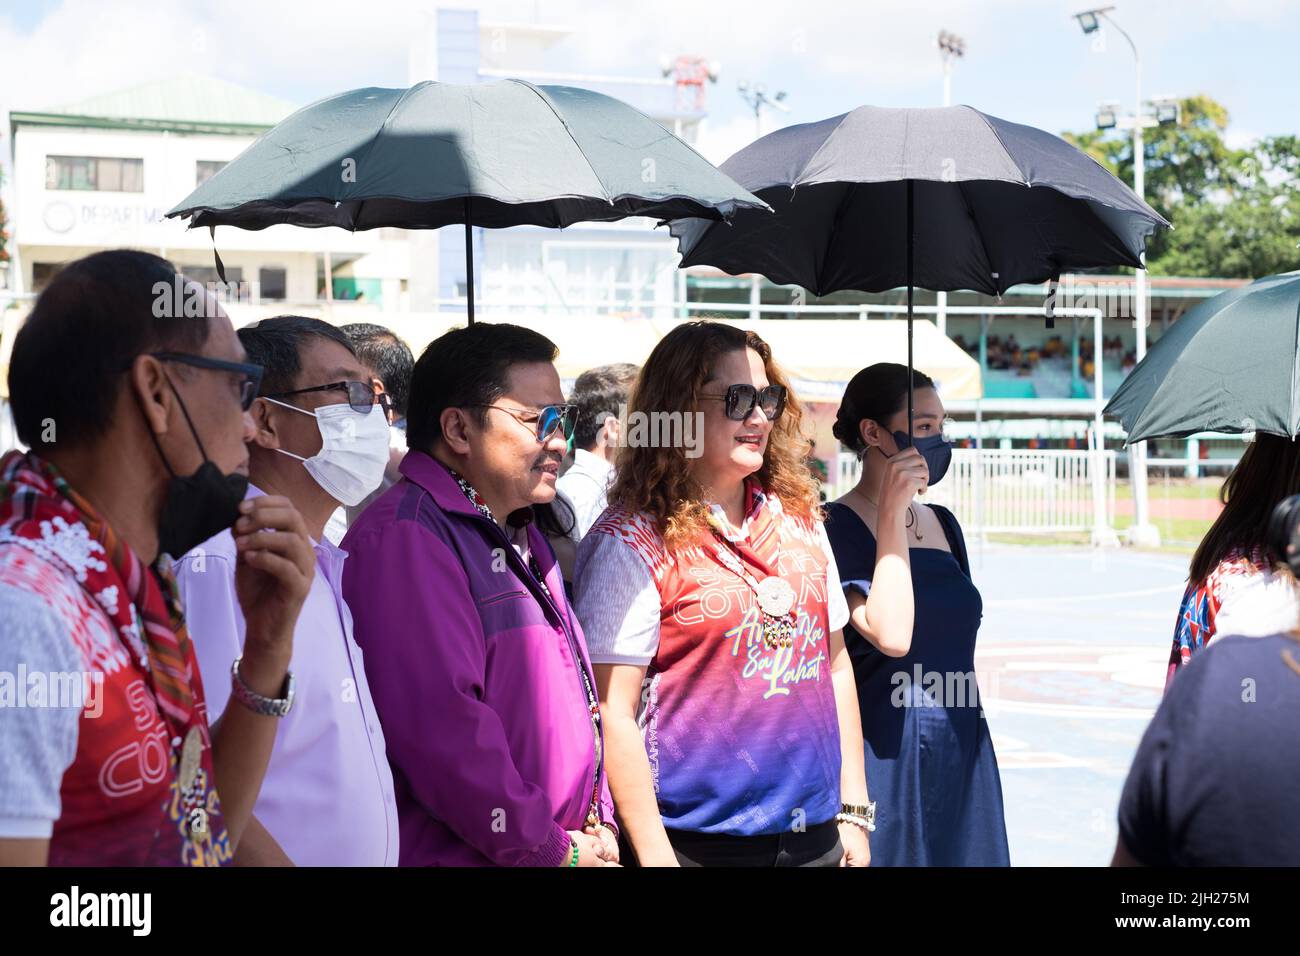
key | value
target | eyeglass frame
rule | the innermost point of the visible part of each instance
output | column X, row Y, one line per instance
column 383, row 399
column 568, row 414
column 730, row 396
column 252, row 372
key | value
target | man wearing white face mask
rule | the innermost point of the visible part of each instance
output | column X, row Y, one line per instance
column 321, row 440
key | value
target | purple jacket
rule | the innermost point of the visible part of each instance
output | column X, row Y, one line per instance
column 475, row 675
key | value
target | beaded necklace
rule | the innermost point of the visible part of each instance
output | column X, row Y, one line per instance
column 593, row 702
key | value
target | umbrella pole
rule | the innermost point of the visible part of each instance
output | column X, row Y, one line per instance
column 909, row 315
column 469, row 262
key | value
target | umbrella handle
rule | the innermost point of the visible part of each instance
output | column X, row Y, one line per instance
column 469, row 263
column 910, row 367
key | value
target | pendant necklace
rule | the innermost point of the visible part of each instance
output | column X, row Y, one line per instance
column 911, row 515
column 776, row 597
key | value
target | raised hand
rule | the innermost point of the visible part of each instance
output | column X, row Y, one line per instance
column 906, row 476
column 273, row 572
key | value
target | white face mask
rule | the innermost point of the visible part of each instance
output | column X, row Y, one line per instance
column 353, row 452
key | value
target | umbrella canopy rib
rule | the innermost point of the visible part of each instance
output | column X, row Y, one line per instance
column 569, row 130
column 989, row 265
column 370, row 146
column 808, row 163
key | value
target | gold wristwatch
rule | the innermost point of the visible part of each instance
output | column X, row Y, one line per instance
column 867, row 811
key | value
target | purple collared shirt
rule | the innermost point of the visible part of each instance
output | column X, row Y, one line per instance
column 328, row 795
column 479, row 675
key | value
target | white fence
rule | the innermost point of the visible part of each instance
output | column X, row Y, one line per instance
column 1018, row 491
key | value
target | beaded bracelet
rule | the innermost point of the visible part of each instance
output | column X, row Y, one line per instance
column 858, row 821
column 573, row 860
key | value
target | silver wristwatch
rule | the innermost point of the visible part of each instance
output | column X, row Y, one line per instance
column 267, row 706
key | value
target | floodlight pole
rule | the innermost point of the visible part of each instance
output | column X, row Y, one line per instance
column 1142, row 532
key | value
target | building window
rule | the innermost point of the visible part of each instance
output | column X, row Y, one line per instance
column 274, row 283
column 206, row 276
column 205, row 169
column 99, row 173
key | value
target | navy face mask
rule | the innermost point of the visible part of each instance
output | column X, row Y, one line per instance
column 935, row 449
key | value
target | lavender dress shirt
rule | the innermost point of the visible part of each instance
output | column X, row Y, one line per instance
column 328, row 795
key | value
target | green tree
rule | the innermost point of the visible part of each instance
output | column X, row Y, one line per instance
column 1236, row 212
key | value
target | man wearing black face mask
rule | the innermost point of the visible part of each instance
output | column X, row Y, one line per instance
column 131, row 389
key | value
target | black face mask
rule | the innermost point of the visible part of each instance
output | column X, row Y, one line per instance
column 199, row 505
column 935, row 449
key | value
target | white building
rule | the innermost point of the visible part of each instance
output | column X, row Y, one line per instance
column 589, row 268
column 100, row 174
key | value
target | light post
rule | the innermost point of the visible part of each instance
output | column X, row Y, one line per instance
column 755, row 94
column 951, row 47
column 1142, row 532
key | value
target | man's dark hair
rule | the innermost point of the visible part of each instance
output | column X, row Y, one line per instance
column 71, row 354
column 598, row 393
column 276, row 344
column 467, row 367
column 387, row 356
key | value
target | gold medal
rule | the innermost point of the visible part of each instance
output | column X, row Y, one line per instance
column 191, row 754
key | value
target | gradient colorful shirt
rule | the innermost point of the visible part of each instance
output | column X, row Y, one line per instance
column 1244, row 595
column 742, row 739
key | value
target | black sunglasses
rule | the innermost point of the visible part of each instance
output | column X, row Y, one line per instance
column 742, row 399
column 549, row 418
column 251, row 375
column 361, row 395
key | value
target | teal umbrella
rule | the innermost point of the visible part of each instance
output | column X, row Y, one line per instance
column 493, row 154
column 1232, row 364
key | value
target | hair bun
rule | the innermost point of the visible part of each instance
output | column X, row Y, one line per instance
column 845, row 429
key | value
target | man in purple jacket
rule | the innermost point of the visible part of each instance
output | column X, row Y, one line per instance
column 477, row 665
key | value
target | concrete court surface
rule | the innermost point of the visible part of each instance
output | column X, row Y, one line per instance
column 1071, row 663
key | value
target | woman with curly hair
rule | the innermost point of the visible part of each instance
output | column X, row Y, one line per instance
column 713, row 611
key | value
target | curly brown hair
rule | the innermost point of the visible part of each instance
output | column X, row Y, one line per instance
column 658, row 482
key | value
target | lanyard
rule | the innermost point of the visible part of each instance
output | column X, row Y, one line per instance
column 593, row 702
column 776, row 597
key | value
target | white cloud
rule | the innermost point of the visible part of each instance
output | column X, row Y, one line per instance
column 719, row 140
column 830, row 55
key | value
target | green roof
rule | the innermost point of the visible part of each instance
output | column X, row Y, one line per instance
column 187, row 103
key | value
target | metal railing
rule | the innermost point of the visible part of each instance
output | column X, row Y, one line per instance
column 1018, row 491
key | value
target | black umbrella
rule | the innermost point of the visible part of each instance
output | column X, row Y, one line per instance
column 492, row 154
column 984, row 204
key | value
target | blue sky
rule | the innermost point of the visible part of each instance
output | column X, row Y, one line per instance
column 1026, row 60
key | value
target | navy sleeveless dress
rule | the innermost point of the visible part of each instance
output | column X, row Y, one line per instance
column 931, row 768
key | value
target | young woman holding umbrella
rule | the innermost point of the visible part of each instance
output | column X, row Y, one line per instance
column 915, row 615
column 712, row 609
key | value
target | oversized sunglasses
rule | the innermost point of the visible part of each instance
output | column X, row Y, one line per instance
column 546, row 419
column 742, row 399
column 361, row 395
